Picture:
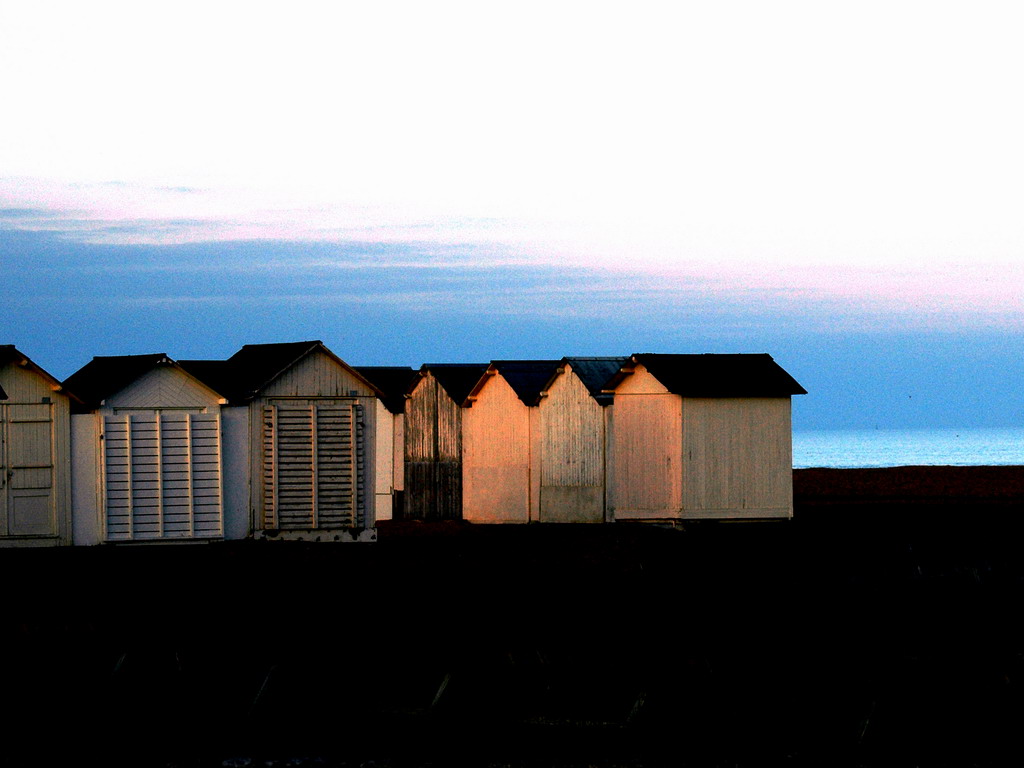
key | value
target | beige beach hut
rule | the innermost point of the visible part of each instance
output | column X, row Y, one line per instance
column 574, row 412
column 501, row 445
column 148, row 439
column 701, row 436
column 35, row 454
column 310, row 446
column 394, row 383
column 433, row 440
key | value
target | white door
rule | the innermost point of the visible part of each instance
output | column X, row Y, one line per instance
column 27, row 470
column 162, row 475
column 314, row 457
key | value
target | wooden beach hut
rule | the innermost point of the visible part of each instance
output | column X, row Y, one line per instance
column 501, row 442
column 394, row 383
column 573, row 410
column 433, row 440
column 153, row 451
column 35, row 454
column 701, row 436
column 310, row 447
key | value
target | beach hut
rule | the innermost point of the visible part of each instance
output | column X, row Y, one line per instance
column 501, row 442
column 701, row 436
column 433, row 440
column 394, row 383
column 35, row 454
column 310, row 446
column 573, row 410
column 153, row 450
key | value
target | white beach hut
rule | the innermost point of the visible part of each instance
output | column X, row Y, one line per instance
column 309, row 440
column 35, row 454
column 148, row 452
column 701, row 436
column 501, row 442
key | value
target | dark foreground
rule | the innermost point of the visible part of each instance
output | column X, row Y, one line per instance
column 880, row 627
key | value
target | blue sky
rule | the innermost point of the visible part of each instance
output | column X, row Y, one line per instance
column 837, row 187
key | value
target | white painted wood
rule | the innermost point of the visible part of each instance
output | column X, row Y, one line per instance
column 162, row 475
column 496, row 442
column 166, row 387
column 572, row 465
column 237, row 482
column 738, row 458
column 385, row 457
column 86, row 480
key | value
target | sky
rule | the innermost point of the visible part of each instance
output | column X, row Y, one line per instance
column 836, row 185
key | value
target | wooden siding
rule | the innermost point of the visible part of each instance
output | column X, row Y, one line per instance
column 162, row 475
column 572, row 453
column 385, row 453
column 496, row 456
column 164, row 387
column 317, row 374
column 646, row 462
column 738, row 458
column 433, row 454
column 35, row 463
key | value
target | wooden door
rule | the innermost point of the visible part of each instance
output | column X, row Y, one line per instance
column 314, row 465
column 27, row 493
column 162, row 475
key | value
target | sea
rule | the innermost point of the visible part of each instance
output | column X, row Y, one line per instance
column 850, row 448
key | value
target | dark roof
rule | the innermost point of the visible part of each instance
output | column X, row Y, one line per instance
column 3, row 395
column 714, row 375
column 393, row 381
column 216, row 374
column 528, row 378
column 595, row 373
column 457, row 379
column 102, row 377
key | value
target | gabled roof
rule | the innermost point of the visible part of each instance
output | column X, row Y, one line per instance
column 529, row 379
column 393, row 381
column 9, row 354
column 595, row 372
column 255, row 366
column 457, row 379
column 102, row 377
column 714, row 375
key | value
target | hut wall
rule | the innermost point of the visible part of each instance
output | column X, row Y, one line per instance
column 572, row 454
column 35, row 459
column 433, row 454
column 238, row 519
column 165, row 387
column 312, row 438
column 86, row 480
column 385, row 470
column 739, row 458
column 646, row 461
column 496, row 456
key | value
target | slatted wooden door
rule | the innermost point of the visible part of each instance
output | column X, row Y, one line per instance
column 162, row 475
column 27, row 501
column 314, row 465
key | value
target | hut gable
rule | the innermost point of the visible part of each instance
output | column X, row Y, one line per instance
column 527, row 378
column 636, row 379
column 456, row 379
column 595, row 373
column 299, row 369
column 31, row 387
column 140, row 381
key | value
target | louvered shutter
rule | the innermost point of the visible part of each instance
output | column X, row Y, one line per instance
column 314, row 459
column 162, row 476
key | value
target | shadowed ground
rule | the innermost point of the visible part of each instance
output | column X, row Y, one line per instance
column 879, row 627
